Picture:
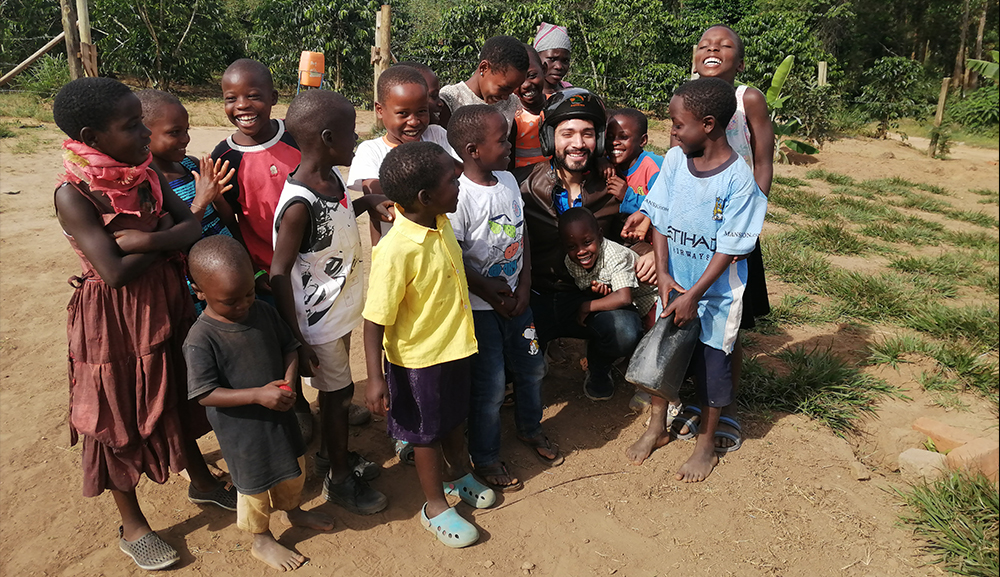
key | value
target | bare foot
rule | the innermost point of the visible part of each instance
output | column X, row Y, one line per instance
column 274, row 554
column 647, row 443
column 698, row 467
column 310, row 519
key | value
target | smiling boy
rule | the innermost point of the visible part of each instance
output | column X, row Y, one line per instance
column 627, row 131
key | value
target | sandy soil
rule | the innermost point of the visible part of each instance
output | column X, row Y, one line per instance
column 788, row 503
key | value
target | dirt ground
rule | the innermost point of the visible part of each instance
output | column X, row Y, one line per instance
column 788, row 503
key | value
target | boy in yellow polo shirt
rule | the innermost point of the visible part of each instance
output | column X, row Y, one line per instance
column 418, row 312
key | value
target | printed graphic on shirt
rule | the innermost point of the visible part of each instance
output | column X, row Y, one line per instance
column 532, row 336
column 322, row 285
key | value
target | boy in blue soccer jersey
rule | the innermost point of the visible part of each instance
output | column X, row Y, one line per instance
column 706, row 211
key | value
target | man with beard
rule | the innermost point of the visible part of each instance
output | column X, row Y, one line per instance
column 572, row 138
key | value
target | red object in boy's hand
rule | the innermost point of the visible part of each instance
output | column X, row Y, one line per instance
column 285, row 387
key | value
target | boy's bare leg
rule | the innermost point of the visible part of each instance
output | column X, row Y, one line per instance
column 430, row 465
column 730, row 409
column 656, row 434
column 703, row 460
column 134, row 524
column 455, row 455
column 202, row 479
column 268, row 550
column 333, row 407
column 309, row 519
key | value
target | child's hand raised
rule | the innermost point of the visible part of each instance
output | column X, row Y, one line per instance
column 617, row 186
column 212, row 180
column 276, row 395
column 636, row 226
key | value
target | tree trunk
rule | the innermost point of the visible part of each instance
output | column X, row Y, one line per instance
column 974, row 78
column 956, row 77
column 72, row 39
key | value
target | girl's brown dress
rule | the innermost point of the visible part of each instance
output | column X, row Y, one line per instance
column 126, row 370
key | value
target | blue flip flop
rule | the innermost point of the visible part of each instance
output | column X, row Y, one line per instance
column 736, row 438
column 688, row 416
column 450, row 528
column 471, row 491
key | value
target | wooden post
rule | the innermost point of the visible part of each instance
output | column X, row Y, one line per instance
column 31, row 59
column 88, row 53
column 381, row 52
column 938, row 116
column 72, row 39
column 821, row 73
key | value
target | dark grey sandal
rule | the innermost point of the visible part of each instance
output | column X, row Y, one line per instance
column 149, row 551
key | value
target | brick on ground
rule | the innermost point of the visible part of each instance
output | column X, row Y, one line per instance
column 978, row 455
column 946, row 438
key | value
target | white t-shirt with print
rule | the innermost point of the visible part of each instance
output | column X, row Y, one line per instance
column 489, row 226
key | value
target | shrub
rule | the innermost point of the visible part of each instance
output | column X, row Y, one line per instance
column 892, row 90
column 46, row 76
column 979, row 111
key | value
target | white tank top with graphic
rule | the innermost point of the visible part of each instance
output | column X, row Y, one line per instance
column 738, row 131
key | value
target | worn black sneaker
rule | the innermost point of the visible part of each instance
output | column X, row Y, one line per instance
column 598, row 386
column 355, row 495
column 224, row 495
column 367, row 469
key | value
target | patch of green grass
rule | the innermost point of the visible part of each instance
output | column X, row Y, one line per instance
column 828, row 238
column 20, row 105
column 797, row 201
column 992, row 196
column 816, row 383
column 955, row 264
column 911, row 230
column 932, row 189
column 26, row 145
column 923, row 202
column 884, row 187
column 959, row 517
column 789, row 181
column 976, row 323
column 831, row 177
column 988, row 280
column 973, row 370
column 891, row 350
column 977, row 240
column 793, row 310
column 795, row 264
column 779, row 217
column 861, row 211
column 854, row 191
column 873, row 298
column 5, row 131
column 974, row 217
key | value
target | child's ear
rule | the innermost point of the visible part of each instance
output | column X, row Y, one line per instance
column 88, row 136
column 423, row 197
column 645, row 139
column 274, row 97
column 472, row 150
column 740, row 66
column 197, row 291
column 327, row 137
column 708, row 123
column 484, row 67
column 378, row 110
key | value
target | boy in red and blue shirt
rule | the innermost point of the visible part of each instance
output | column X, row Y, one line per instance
column 627, row 130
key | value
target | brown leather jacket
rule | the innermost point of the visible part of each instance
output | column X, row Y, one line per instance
column 548, row 268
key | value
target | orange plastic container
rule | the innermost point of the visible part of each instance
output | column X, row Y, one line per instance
column 312, row 65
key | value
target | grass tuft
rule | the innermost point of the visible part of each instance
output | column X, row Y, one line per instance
column 977, row 323
column 861, row 211
column 831, row 177
column 923, row 202
column 978, row 240
column 873, row 298
column 991, row 196
column 891, row 350
column 789, row 181
column 933, row 189
column 959, row 517
column 793, row 310
column 795, row 264
column 827, row 237
column 974, row 217
column 816, row 383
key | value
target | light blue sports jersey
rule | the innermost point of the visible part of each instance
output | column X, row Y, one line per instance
column 702, row 213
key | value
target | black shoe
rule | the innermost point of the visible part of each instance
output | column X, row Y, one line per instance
column 598, row 386
column 223, row 496
column 355, row 495
column 355, row 461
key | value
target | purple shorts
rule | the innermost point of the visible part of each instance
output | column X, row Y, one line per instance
column 426, row 404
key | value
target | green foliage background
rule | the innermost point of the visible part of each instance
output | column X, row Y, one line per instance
column 634, row 52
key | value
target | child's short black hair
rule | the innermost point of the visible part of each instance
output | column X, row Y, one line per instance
column 575, row 215
column 396, row 76
column 467, row 124
column 638, row 117
column 313, row 111
column 503, row 52
column 736, row 37
column 87, row 102
column 251, row 66
column 410, row 168
column 709, row 97
column 154, row 101
column 217, row 254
